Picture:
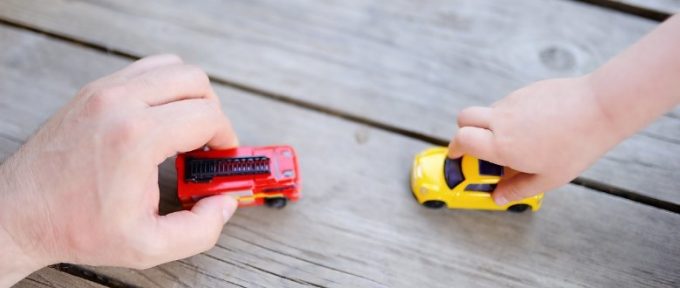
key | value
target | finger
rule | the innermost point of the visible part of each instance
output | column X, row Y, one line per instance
column 185, row 233
column 148, row 63
column 170, row 83
column 478, row 142
column 518, row 187
column 188, row 125
column 141, row 66
column 475, row 117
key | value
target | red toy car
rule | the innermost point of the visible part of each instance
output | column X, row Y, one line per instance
column 256, row 175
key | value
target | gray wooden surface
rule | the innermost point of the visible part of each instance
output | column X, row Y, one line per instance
column 408, row 65
column 48, row 277
column 357, row 225
column 668, row 6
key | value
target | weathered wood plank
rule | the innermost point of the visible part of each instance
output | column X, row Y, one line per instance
column 668, row 6
column 48, row 277
column 408, row 64
column 357, row 224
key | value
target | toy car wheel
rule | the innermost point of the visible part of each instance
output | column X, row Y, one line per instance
column 276, row 202
column 518, row 208
column 434, row 204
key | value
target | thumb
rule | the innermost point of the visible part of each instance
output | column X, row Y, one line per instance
column 518, row 187
column 186, row 233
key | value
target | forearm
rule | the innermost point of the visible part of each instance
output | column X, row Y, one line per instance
column 643, row 82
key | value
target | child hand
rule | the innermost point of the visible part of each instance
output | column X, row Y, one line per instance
column 548, row 133
column 84, row 188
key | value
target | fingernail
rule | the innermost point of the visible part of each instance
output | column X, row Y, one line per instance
column 500, row 201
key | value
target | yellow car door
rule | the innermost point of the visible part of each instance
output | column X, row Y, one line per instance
column 475, row 196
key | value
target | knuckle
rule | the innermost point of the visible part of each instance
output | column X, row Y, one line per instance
column 463, row 115
column 102, row 99
column 460, row 119
column 145, row 252
column 468, row 115
column 195, row 73
column 464, row 137
column 466, row 111
column 127, row 132
column 212, row 108
column 210, row 234
column 210, row 241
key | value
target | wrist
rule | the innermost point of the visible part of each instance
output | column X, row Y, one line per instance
column 18, row 261
column 640, row 84
column 15, row 264
column 607, row 116
column 602, row 125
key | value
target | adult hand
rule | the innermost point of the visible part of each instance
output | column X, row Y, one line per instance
column 84, row 188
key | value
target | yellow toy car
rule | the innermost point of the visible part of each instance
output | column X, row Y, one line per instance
column 466, row 183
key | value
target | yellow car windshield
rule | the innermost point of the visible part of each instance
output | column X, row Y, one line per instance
column 452, row 172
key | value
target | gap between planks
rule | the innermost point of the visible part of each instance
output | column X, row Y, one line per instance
column 580, row 181
column 644, row 12
column 90, row 275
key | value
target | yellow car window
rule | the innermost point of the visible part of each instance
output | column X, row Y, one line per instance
column 480, row 187
column 490, row 169
column 453, row 172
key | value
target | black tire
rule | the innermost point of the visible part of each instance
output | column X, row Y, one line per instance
column 434, row 204
column 276, row 202
column 518, row 208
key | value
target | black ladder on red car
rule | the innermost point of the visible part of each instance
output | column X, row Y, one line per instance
column 204, row 169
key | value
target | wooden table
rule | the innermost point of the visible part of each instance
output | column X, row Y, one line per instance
column 359, row 87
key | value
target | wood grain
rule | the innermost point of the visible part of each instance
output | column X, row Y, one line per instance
column 408, row 65
column 357, row 224
column 48, row 277
column 668, row 6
